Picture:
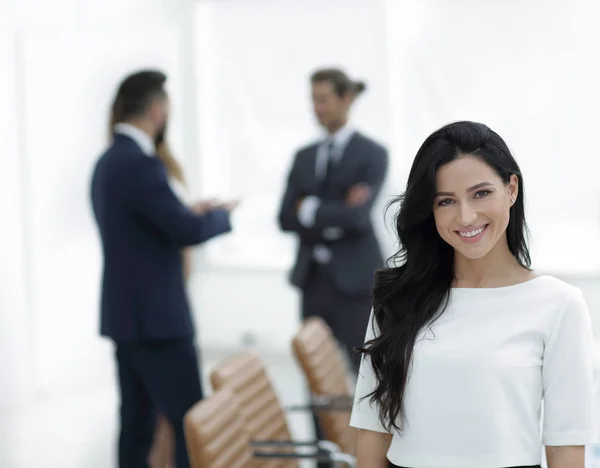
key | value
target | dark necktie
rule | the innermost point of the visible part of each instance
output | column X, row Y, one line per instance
column 330, row 166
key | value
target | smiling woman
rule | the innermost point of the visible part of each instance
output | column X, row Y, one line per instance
column 465, row 337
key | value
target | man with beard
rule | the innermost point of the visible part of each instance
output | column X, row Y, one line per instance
column 144, row 307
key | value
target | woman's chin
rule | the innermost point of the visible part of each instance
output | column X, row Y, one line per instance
column 474, row 252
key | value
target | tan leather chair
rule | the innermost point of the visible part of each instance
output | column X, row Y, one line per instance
column 322, row 361
column 217, row 437
column 246, row 375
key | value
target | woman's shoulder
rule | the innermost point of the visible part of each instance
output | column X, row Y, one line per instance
column 559, row 296
column 557, row 287
column 565, row 307
column 544, row 291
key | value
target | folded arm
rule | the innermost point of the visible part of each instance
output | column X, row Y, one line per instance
column 288, row 217
column 338, row 214
column 153, row 199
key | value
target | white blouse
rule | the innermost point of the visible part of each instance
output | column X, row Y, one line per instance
column 481, row 372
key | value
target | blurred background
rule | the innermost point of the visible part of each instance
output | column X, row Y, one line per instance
column 239, row 83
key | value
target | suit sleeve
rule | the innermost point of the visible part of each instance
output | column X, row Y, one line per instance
column 337, row 214
column 288, row 217
column 153, row 199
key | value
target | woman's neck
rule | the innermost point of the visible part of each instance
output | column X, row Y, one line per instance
column 498, row 268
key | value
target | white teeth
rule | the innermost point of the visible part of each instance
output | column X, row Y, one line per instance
column 472, row 233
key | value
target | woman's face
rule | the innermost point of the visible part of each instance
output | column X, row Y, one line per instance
column 472, row 206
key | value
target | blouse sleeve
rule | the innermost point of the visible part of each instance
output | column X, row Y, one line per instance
column 365, row 415
column 568, row 374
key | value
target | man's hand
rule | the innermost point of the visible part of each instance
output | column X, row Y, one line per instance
column 229, row 205
column 358, row 195
column 204, row 206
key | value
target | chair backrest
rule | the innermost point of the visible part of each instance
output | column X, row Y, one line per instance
column 246, row 376
column 322, row 361
column 215, row 434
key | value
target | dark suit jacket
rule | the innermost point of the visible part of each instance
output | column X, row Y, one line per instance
column 357, row 255
column 143, row 227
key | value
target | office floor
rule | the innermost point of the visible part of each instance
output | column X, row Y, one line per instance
column 79, row 430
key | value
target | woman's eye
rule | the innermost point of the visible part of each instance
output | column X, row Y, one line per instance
column 445, row 202
column 482, row 193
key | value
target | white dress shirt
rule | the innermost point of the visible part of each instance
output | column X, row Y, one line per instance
column 146, row 144
column 310, row 205
column 142, row 139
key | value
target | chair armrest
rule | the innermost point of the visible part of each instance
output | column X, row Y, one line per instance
column 347, row 460
column 346, row 401
column 341, row 403
column 321, row 445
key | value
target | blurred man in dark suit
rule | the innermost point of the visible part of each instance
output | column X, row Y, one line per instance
column 331, row 188
column 144, row 308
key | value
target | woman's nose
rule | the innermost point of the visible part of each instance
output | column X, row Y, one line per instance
column 467, row 215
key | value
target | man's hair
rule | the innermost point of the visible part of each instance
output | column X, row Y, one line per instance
column 340, row 81
column 136, row 93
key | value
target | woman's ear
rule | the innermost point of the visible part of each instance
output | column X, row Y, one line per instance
column 513, row 188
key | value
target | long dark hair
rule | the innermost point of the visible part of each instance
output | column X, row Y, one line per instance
column 414, row 291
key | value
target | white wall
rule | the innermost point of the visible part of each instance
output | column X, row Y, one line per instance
column 61, row 64
column 15, row 317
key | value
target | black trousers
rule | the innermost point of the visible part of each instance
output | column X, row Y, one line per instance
column 155, row 376
column 347, row 315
